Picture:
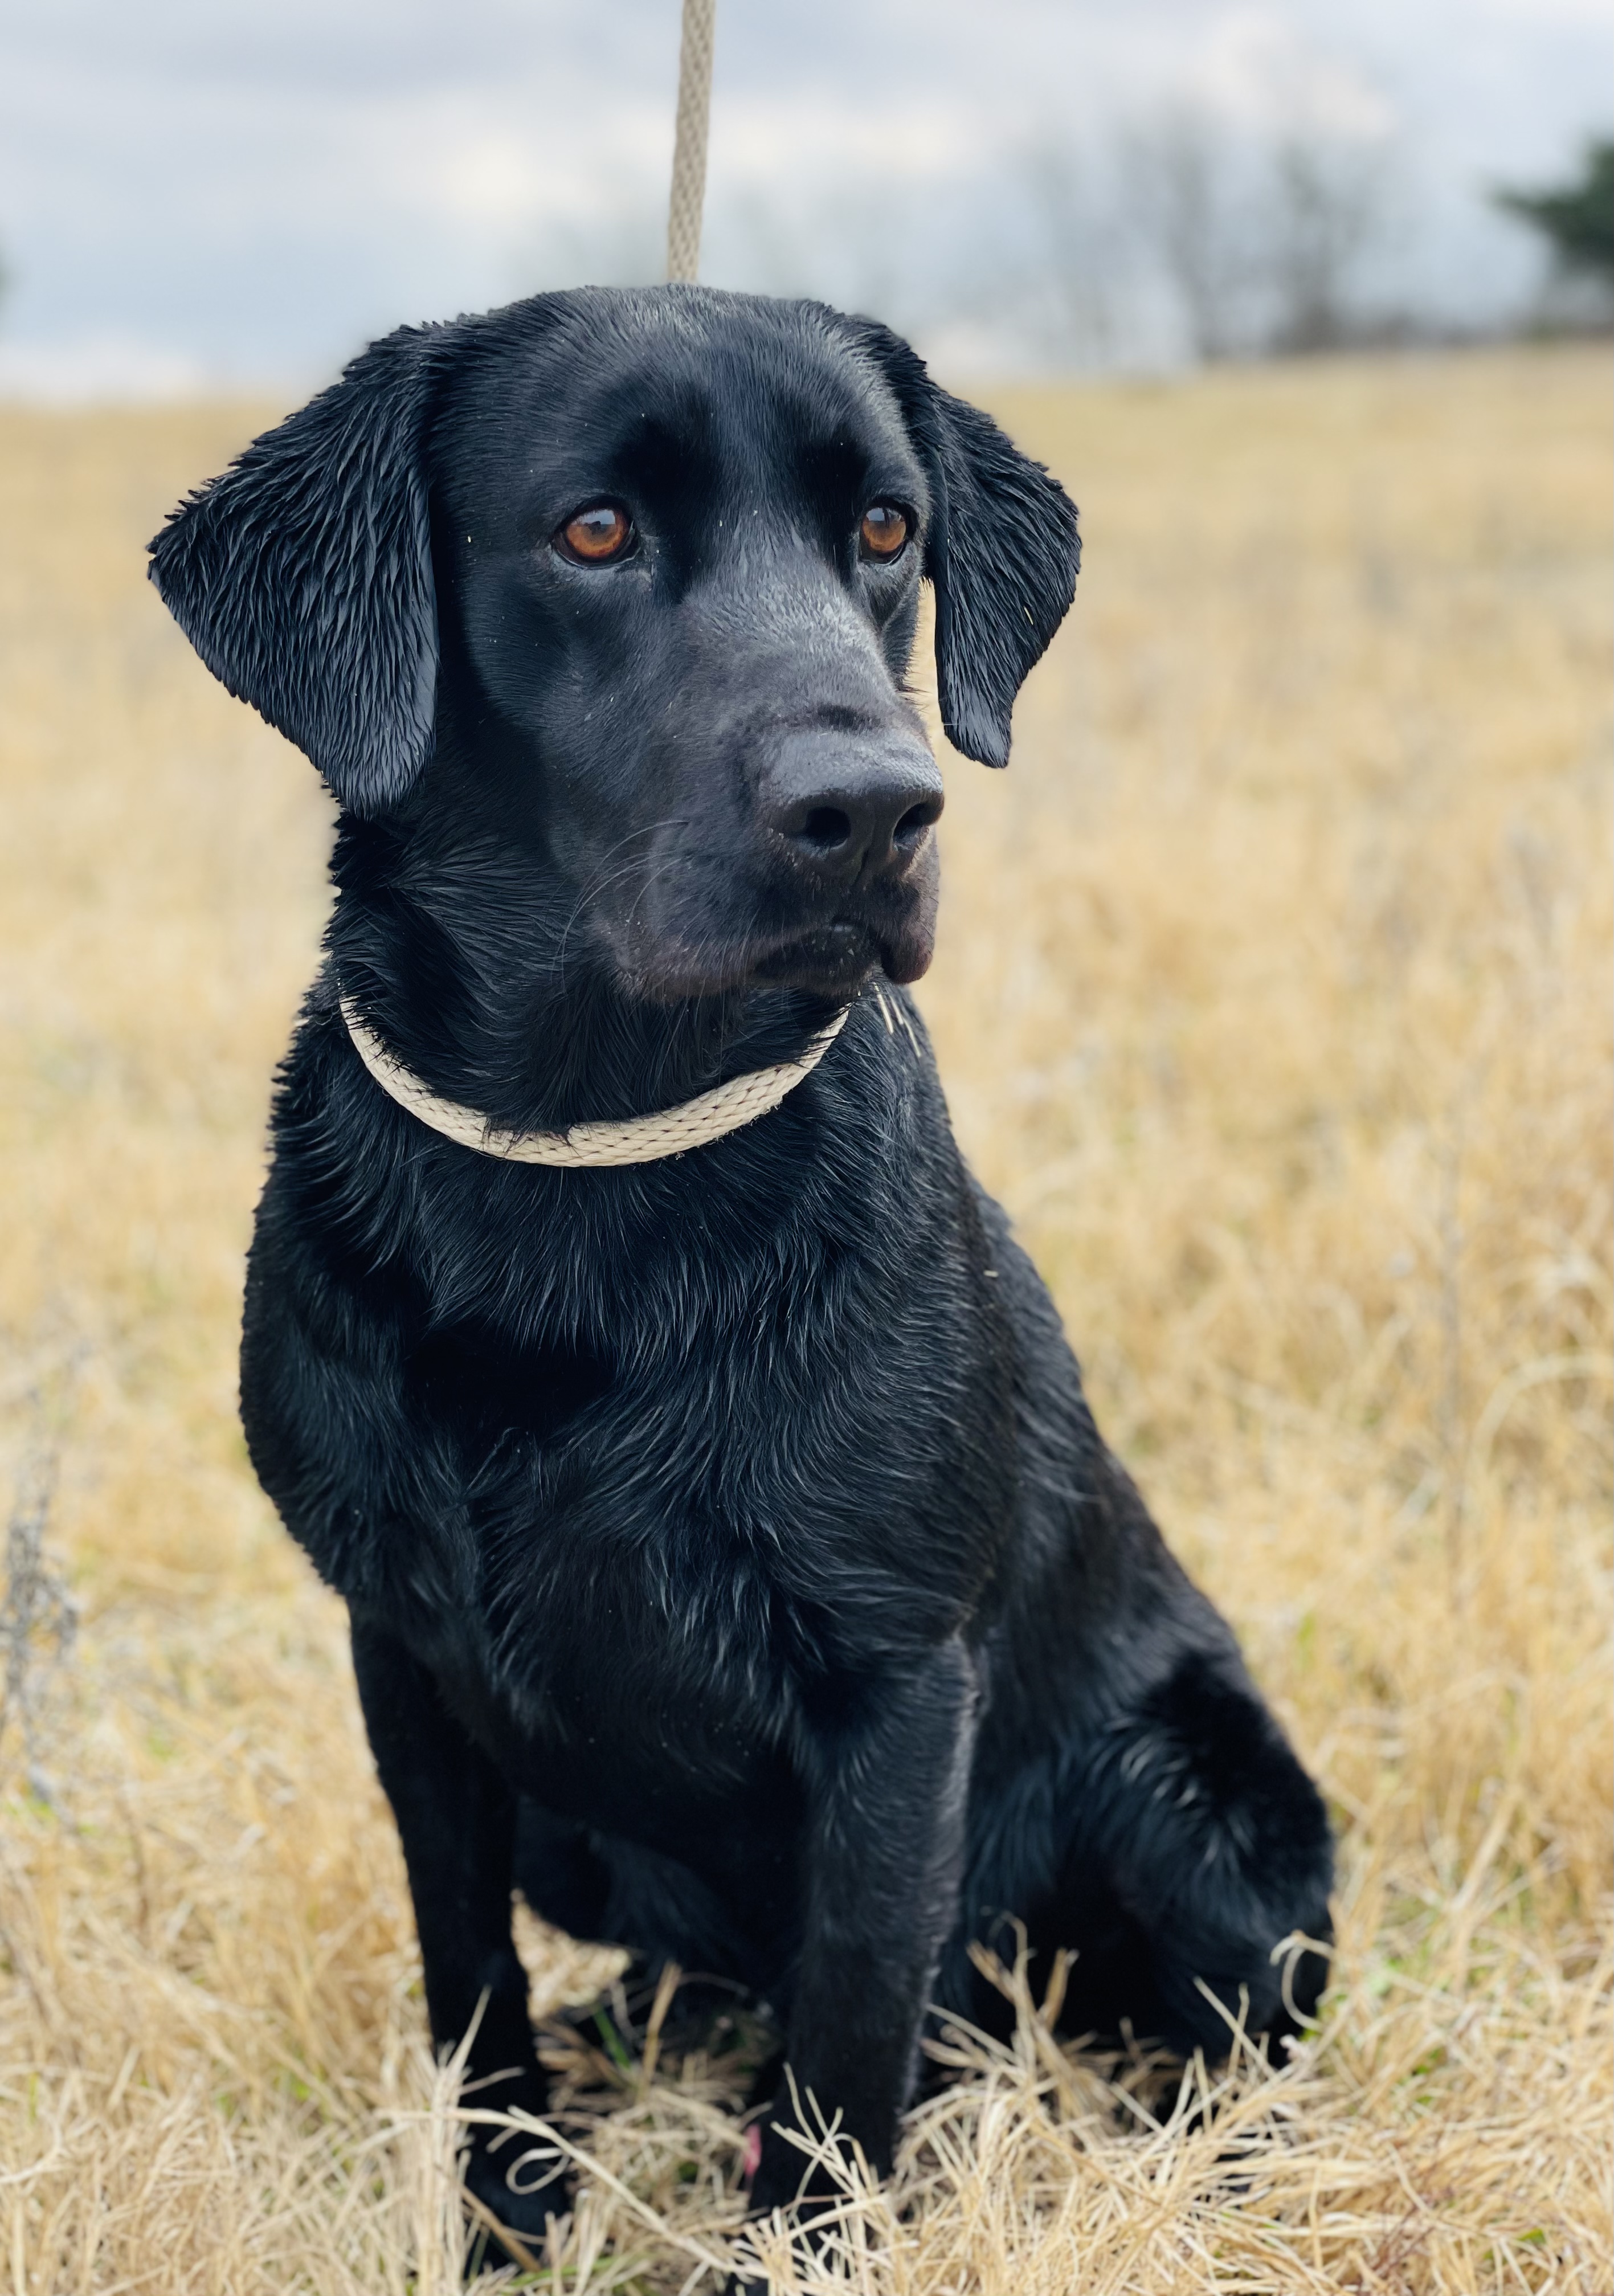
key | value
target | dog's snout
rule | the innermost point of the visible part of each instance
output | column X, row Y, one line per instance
column 850, row 807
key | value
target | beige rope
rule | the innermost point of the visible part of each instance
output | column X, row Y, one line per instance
column 636, row 1140
column 689, row 148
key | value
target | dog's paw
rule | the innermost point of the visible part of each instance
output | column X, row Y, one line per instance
column 806, row 2241
column 783, row 2179
column 806, row 2190
column 508, row 2194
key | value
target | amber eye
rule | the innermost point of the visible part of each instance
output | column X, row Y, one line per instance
column 884, row 530
column 600, row 532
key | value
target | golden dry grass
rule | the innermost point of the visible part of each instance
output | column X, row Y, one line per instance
column 1274, row 1001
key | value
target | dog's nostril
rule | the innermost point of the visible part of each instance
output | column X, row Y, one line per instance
column 914, row 823
column 849, row 806
column 826, row 828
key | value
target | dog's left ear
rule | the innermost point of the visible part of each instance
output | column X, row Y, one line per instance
column 303, row 578
column 1001, row 551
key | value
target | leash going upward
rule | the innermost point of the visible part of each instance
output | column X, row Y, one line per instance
column 689, row 146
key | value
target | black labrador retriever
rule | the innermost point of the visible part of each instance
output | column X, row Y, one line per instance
column 733, row 1563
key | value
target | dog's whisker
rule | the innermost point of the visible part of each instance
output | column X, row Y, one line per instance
column 598, row 883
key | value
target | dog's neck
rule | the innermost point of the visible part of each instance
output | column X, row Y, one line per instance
column 524, row 1022
column 710, row 1116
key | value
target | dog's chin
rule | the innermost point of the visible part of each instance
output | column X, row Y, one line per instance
column 836, row 961
column 831, row 963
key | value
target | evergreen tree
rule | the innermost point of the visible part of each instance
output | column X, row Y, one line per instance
column 1577, row 218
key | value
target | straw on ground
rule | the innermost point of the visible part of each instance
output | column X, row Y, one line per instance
column 1273, row 1000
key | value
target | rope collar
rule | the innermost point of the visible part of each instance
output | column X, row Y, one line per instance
column 636, row 1139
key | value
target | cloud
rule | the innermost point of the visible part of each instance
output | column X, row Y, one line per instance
column 248, row 192
column 1260, row 69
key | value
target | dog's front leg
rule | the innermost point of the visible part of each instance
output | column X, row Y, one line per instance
column 888, row 1788
column 457, row 1820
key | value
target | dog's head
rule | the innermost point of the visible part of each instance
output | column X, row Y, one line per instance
column 624, row 585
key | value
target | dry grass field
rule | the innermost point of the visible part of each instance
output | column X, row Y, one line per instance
column 1274, row 1000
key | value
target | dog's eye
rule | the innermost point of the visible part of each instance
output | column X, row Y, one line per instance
column 601, row 531
column 884, row 530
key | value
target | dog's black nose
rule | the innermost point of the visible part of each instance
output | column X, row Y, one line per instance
column 852, row 806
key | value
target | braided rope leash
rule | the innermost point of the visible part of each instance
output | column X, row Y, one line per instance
column 689, row 146
column 636, row 1139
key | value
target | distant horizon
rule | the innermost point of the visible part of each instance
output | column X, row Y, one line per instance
column 83, row 391
column 224, row 204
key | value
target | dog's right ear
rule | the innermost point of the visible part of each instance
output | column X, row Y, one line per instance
column 303, row 579
column 1001, row 552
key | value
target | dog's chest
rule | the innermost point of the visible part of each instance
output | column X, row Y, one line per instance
column 693, row 1620
column 771, row 1494
column 613, row 1697
column 655, row 1588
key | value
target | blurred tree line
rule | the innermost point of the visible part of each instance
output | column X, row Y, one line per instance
column 1242, row 248
column 1183, row 236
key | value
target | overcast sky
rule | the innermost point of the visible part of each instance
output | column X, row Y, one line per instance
column 203, row 192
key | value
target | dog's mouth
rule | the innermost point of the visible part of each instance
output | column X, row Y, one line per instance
column 832, row 960
column 691, row 932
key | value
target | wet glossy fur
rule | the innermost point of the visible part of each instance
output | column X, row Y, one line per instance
column 732, row 1561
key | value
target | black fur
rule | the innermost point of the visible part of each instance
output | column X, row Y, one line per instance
column 303, row 578
column 733, row 1559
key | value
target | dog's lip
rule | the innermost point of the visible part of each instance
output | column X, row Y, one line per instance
column 841, row 955
column 833, row 959
column 836, row 939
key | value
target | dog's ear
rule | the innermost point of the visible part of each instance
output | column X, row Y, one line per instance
column 1001, row 551
column 303, row 579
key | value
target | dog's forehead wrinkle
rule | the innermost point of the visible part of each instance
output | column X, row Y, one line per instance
column 768, row 392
